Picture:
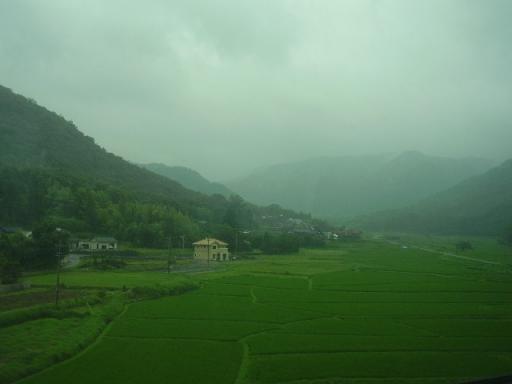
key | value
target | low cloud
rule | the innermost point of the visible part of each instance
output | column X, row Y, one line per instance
column 225, row 86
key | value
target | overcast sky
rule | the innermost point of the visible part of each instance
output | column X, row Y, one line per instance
column 224, row 86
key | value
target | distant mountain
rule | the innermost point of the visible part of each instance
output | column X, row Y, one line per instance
column 347, row 186
column 189, row 178
column 481, row 205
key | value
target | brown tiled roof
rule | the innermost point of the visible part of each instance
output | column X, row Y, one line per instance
column 210, row 241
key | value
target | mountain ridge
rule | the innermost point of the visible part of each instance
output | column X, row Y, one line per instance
column 341, row 187
column 47, row 140
column 480, row 205
column 189, row 178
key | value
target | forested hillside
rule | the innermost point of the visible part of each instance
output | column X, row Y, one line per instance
column 189, row 178
column 50, row 171
column 342, row 187
column 32, row 136
column 481, row 205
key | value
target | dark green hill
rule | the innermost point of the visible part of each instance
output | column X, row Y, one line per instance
column 348, row 186
column 50, row 171
column 189, row 178
column 32, row 136
column 481, row 205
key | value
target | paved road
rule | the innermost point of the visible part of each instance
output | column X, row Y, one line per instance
column 458, row 256
column 449, row 254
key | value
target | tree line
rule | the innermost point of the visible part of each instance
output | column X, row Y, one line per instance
column 42, row 200
column 32, row 196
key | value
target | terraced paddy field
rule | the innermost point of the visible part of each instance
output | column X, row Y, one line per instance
column 361, row 313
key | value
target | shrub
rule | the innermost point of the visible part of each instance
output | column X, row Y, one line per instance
column 156, row 291
column 19, row 316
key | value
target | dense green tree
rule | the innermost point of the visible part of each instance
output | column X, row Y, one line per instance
column 77, row 206
column 49, row 243
column 238, row 213
column 281, row 243
column 507, row 236
column 15, row 250
column 10, row 270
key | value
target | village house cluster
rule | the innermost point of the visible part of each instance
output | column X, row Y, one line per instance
column 344, row 233
column 105, row 243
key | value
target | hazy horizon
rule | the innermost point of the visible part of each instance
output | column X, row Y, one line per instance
column 226, row 87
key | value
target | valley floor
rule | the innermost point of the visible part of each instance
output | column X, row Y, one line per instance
column 356, row 313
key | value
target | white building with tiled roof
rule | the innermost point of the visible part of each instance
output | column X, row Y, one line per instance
column 97, row 243
column 211, row 249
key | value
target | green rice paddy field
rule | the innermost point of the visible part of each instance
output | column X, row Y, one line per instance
column 361, row 313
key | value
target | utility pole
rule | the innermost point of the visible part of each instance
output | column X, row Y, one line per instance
column 169, row 255
column 57, row 283
column 208, row 242
column 236, row 243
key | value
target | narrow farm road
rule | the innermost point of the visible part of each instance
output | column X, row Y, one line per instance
column 458, row 256
column 449, row 254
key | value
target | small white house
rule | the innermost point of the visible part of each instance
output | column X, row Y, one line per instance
column 211, row 249
column 98, row 243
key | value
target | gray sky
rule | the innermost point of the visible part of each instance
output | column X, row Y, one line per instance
column 224, row 86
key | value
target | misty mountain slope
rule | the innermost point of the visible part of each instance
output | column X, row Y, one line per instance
column 481, row 205
column 52, row 171
column 348, row 186
column 189, row 178
column 33, row 136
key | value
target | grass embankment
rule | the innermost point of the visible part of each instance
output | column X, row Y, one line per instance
column 38, row 336
column 363, row 313
column 110, row 279
column 34, row 334
column 34, row 296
